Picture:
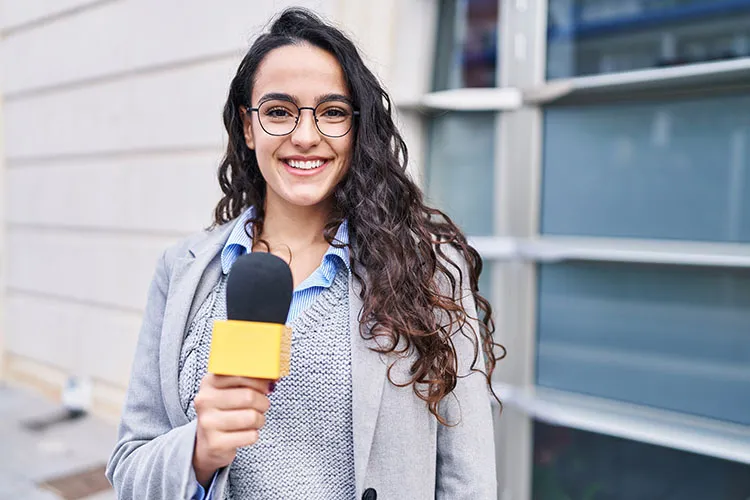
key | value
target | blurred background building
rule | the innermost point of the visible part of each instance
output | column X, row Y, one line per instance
column 597, row 152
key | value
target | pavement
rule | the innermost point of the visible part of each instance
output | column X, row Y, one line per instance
column 30, row 457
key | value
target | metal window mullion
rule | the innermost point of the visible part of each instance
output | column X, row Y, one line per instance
column 523, row 28
column 719, row 76
column 599, row 249
column 640, row 423
column 470, row 99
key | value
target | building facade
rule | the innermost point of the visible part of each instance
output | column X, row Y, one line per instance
column 596, row 151
column 112, row 137
column 607, row 168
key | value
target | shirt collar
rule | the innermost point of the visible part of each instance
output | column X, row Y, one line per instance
column 240, row 243
column 340, row 253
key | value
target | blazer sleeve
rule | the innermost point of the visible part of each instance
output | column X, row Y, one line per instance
column 152, row 459
column 466, row 449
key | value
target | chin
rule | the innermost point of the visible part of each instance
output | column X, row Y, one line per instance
column 302, row 200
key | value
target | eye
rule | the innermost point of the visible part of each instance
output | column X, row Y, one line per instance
column 335, row 113
column 278, row 112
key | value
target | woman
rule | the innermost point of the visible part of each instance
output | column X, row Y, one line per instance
column 388, row 393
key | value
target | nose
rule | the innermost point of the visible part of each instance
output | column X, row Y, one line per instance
column 306, row 134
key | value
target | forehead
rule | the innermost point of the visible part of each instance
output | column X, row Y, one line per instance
column 303, row 71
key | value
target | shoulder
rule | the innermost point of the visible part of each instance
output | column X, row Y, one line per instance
column 456, row 269
column 450, row 255
column 210, row 239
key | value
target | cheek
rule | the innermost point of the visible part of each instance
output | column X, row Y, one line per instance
column 265, row 148
column 344, row 150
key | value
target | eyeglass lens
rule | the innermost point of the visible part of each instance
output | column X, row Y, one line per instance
column 279, row 117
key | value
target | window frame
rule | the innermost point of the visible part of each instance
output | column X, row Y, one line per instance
column 519, row 100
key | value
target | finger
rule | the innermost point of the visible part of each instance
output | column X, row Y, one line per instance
column 226, row 381
column 239, row 439
column 240, row 398
column 238, row 420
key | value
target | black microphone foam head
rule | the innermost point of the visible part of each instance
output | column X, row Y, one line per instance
column 259, row 288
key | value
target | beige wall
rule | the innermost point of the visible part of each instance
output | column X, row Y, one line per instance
column 3, row 201
column 112, row 118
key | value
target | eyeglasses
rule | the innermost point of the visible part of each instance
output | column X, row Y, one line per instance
column 280, row 117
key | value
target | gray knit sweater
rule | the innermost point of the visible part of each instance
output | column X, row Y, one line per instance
column 305, row 448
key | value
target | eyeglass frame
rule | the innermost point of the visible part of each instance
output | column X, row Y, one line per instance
column 299, row 115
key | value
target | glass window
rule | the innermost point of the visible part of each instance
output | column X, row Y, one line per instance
column 574, row 464
column 460, row 159
column 485, row 285
column 672, row 337
column 466, row 44
column 586, row 37
column 460, row 176
column 673, row 170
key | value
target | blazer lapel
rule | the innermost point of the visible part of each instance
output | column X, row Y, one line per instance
column 368, row 378
column 193, row 276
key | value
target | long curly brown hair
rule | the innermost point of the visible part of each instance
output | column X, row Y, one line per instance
column 397, row 243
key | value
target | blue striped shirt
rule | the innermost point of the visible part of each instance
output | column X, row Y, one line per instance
column 240, row 243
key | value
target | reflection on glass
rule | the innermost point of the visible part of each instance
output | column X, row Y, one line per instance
column 467, row 44
column 580, row 465
column 459, row 174
column 671, row 337
column 672, row 170
column 605, row 36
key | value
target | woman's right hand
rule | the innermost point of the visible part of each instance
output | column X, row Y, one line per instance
column 230, row 412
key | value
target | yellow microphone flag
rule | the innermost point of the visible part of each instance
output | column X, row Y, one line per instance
column 250, row 349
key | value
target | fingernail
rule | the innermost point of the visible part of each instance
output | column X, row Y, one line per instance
column 271, row 387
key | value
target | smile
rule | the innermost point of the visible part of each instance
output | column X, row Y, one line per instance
column 306, row 165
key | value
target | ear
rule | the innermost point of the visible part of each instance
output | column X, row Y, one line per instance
column 247, row 127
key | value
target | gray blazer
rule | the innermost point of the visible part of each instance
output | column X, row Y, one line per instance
column 400, row 450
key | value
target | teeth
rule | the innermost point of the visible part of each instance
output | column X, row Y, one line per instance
column 306, row 165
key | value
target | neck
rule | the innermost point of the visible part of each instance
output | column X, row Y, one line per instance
column 293, row 225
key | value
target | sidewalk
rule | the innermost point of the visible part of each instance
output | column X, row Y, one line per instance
column 29, row 458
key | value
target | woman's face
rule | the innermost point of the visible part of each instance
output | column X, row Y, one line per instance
column 302, row 168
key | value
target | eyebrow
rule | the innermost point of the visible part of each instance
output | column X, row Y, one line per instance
column 292, row 98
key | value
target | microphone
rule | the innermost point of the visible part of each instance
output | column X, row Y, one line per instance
column 254, row 340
